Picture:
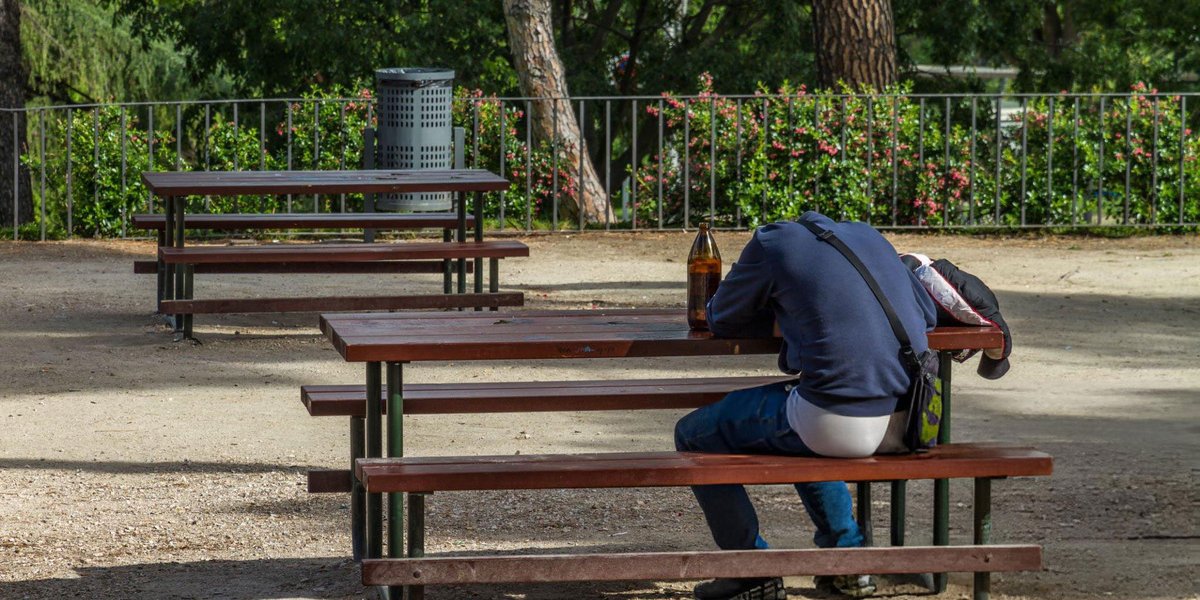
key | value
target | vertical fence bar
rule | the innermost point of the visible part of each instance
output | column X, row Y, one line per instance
column 660, row 167
column 528, row 167
column 766, row 117
column 946, row 168
column 1024, row 153
column 178, row 137
column 921, row 136
column 1128, row 156
column 633, row 164
column 150, row 145
column 608, row 162
column 70, row 179
column 42, row 164
column 687, row 179
column 553, row 167
column 342, row 152
column 124, row 139
column 236, row 163
column 316, row 148
column 791, row 136
column 971, row 175
column 1183, row 131
column 1100, row 168
column 96, row 157
column 503, row 155
column 1154, row 166
column 207, row 153
column 475, row 142
column 1049, row 159
column 289, row 147
column 895, row 157
column 999, row 157
column 262, row 137
column 870, row 153
column 816, row 128
column 712, row 161
column 738, row 127
column 16, row 175
column 583, row 158
column 1075, row 164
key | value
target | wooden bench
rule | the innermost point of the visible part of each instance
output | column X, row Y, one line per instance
column 526, row 396
column 365, row 221
column 191, row 256
column 420, row 476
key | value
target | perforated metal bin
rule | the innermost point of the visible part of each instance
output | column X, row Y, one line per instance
column 414, row 130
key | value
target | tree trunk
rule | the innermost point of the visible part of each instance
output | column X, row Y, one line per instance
column 531, row 35
column 855, row 41
column 12, row 96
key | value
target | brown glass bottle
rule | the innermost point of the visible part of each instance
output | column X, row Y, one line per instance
column 704, row 275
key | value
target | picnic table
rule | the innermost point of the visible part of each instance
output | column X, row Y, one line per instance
column 176, row 263
column 385, row 342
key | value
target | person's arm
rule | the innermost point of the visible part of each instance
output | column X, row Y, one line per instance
column 741, row 307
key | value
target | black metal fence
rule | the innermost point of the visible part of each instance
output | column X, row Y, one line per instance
column 666, row 162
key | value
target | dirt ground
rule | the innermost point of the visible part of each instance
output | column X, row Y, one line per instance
column 132, row 466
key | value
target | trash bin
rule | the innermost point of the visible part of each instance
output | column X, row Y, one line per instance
column 413, row 131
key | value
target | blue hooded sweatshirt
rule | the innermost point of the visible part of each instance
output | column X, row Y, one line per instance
column 835, row 333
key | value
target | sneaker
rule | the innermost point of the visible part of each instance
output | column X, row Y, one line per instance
column 741, row 589
column 855, row 586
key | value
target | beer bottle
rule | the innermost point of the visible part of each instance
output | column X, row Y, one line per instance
column 703, row 275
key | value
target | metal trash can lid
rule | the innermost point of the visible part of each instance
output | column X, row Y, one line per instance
column 413, row 76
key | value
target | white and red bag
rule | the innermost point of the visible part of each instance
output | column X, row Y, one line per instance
column 963, row 299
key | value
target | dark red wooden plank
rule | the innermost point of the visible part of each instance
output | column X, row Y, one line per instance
column 230, row 183
column 313, row 304
column 611, row 333
column 227, row 222
column 534, row 396
column 274, row 253
column 327, row 481
column 662, row 566
column 150, row 267
column 658, row 469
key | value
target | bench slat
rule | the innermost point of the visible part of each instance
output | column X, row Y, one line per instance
column 150, row 267
column 533, row 396
column 661, row 566
column 340, row 303
column 661, row 469
column 233, row 222
column 282, row 253
column 233, row 183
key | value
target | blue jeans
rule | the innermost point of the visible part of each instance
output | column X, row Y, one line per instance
column 754, row 421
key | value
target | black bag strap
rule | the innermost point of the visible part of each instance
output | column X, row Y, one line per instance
column 906, row 348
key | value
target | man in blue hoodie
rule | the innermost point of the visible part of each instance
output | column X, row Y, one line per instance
column 838, row 341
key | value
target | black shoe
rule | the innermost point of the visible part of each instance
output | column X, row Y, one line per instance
column 741, row 589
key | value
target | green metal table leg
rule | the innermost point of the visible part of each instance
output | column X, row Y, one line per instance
column 864, row 512
column 395, row 448
column 358, row 501
column 416, row 537
column 179, row 202
column 374, row 449
column 162, row 273
column 189, row 276
column 899, row 491
column 447, row 270
column 983, row 532
column 462, row 237
column 168, row 236
column 941, row 487
column 494, row 277
column 478, row 238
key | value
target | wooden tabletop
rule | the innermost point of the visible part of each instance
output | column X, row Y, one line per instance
column 619, row 333
column 233, row 183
